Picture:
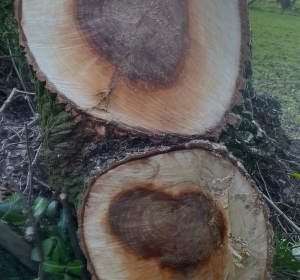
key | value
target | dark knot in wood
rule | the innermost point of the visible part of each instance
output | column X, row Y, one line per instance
column 146, row 40
column 181, row 231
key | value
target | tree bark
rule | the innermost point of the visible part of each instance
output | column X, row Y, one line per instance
column 135, row 82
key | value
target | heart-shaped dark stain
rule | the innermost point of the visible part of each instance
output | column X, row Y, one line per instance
column 180, row 232
column 146, row 39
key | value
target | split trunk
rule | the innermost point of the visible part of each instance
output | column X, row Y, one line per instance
column 141, row 87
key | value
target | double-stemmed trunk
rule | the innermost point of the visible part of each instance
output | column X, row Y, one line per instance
column 145, row 85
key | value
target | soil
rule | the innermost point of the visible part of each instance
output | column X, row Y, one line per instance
column 13, row 149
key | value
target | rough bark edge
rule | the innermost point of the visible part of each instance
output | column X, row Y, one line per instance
column 243, row 136
column 216, row 149
column 60, row 151
column 212, row 133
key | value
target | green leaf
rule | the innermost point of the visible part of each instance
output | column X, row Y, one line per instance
column 51, row 210
column 292, row 265
column 74, row 267
column 39, row 206
column 63, row 252
column 14, row 199
column 296, row 175
column 55, row 255
column 68, row 277
column 36, row 201
column 47, row 246
column 62, row 235
column 52, row 267
column 284, row 243
column 12, row 213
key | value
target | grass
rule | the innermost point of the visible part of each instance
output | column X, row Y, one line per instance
column 276, row 71
column 276, row 59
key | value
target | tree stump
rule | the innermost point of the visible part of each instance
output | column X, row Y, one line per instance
column 142, row 82
column 190, row 212
column 151, row 67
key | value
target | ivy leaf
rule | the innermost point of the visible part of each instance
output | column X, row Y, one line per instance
column 55, row 255
column 52, row 267
column 68, row 277
column 12, row 213
column 39, row 206
column 47, row 246
column 63, row 251
column 14, row 199
column 51, row 210
column 57, row 231
column 74, row 267
column 292, row 265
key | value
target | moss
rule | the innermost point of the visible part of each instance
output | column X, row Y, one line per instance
column 58, row 148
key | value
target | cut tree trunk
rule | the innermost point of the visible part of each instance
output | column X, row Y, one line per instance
column 190, row 212
column 152, row 66
column 137, row 81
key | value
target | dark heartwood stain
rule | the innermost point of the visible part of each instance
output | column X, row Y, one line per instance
column 146, row 40
column 180, row 231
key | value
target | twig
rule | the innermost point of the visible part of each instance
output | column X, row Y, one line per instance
column 29, row 176
column 290, row 274
column 279, row 222
column 72, row 234
column 281, row 214
column 17, row 132
column 36, row 155
column 8, row 145
column 288, row 206
column 31, row 105
column 265, row 185
column 286, row 153
column 26, row 92
column 33, row 121
column 7, row 101
column 15, row 66
column 9, row 56
column 42, row 183
column 5, row 90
